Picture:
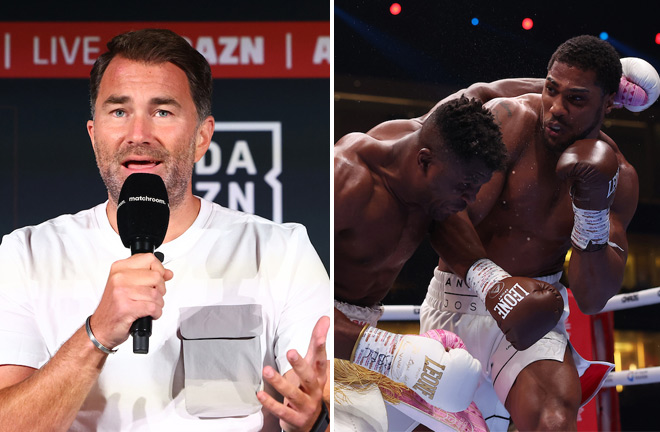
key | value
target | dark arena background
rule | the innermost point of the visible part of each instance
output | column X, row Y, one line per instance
column 389, row 66
column 271, row 102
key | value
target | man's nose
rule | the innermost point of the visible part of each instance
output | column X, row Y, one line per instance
column 140, row 129
column 558, row 109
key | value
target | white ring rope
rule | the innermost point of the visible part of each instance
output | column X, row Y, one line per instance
column 400, row 313
column 633, row 377
column 633, row 300
column 621, row 301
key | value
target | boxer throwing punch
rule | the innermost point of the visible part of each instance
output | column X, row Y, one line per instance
column 392, row 185
column 565, row 184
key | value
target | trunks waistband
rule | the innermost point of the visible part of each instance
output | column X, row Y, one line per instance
column 448, row 292
column 360, row 314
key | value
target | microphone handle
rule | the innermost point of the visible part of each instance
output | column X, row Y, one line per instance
column 141, row 328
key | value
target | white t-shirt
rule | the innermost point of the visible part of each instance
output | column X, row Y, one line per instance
column 52, row 277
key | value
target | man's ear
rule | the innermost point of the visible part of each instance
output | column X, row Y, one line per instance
column 424, row 158
column 204, row 135
column 609, row 103
column 90, row 132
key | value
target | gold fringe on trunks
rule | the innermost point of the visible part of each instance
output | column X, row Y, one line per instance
column 356, row 377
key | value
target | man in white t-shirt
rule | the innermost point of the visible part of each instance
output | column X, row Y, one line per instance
column 235, row 297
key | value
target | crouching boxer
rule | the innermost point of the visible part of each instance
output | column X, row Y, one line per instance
column 565, row 184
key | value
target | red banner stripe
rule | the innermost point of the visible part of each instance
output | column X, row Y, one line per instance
column 233, row 49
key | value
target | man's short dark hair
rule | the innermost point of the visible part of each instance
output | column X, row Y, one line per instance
column 469, row 131
column 158, row 46
column 591, row 53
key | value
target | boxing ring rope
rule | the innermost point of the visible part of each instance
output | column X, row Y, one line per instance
column 633, row 377
column 633, row 300
column 621, row 301
column 618, row 302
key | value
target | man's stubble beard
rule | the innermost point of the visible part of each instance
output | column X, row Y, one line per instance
column 177, row 178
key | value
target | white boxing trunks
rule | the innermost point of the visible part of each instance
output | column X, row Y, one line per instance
column 451, row 305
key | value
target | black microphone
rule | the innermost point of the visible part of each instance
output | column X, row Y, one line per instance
column 143, row 213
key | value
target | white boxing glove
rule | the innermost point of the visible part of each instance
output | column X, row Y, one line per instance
column 444, row 379
column 640, row 85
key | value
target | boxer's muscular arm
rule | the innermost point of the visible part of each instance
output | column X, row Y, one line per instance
column 485, row 92
column 353, row 184
column 509, row 87
column 457, row 243
column 352, row 189
column 595, row 277
column 49, row 398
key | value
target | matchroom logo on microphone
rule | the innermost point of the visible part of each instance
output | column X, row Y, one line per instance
column 240, row 170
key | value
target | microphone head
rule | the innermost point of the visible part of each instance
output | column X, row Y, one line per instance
column 143, row 211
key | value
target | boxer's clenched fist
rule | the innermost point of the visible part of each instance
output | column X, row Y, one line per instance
column 135, row 289
column 525, row 309
column 446, row 379
column 592, row 168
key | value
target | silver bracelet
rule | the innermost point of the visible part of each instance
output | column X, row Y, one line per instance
column 96, row 343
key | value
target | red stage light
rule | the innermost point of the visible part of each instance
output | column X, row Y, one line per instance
column 395, row 9
column 527, row 23
column 657, row 38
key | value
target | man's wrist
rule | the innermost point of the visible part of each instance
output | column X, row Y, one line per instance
column 323, row 420
column 96, row 343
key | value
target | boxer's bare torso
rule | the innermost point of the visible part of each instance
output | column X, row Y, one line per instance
column 383, row 211
column 523, row 215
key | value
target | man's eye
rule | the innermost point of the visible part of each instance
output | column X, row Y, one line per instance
column 162, row 113
column 119, row 113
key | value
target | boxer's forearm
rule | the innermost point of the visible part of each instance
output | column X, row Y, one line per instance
column 457, row 243
column 510, row 87
column 51, row 397
column 594, row 277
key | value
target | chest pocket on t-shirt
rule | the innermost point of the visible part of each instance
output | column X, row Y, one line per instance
column 222, row 359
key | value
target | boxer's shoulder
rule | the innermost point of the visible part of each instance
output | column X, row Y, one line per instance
column 516, row 116
column 395, row 129
column 515, row 108
column 349, row 143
